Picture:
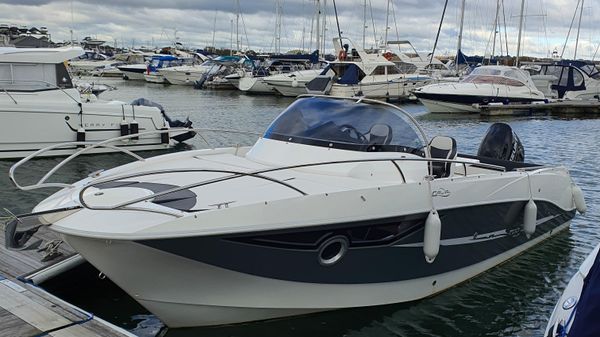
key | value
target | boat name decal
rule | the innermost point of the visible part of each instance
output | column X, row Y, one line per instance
column 441, row 192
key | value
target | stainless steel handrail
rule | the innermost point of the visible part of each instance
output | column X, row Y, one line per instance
column 256, row 174
column 92, row 145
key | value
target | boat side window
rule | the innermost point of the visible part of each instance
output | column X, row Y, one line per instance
column 392, row 70
column 577, row 78
column 63, row 79
column 28, row 77
column 379, row 70
column 564, row 79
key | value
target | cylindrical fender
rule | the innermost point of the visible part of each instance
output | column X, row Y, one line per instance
column 578, row 199
column 432, row 236
column 530, row 218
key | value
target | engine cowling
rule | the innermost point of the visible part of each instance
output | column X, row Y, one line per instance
column 501, row 142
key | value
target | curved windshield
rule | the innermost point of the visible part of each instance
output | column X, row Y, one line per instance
column 346, row 124
column 483, row 75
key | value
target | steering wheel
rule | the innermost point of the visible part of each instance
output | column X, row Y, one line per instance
column 350, row 130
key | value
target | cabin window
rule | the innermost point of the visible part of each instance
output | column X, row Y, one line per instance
column 379, row 70
column 392, row 70
column 28, row 77
column 577, row 78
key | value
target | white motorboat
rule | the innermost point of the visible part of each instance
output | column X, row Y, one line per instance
column 341, row 203
column 133, row 71
column 576, row 312
column 89, row 61
column 253, row 81
column 292, row 84
column 574, row 80
column 186, row 74
column 484, row 85
column 160, row 62
column 361, row 74
column 190, row 74
column 36, row 92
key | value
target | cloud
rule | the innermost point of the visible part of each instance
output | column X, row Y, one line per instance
column 143, row 22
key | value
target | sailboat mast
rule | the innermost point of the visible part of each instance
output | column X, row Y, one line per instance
column 578, row 29
column 495, row 29
column 364, row 23
column 387, row 26
column 520, row 32
column 318, row 29
column 324, row 27
column 237, row 25
column 460, row 33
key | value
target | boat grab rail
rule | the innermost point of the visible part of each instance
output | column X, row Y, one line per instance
column 88, row 146
column 255, row 174
column 51, row 86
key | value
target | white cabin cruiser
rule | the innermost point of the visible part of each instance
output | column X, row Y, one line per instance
column 341, row 203
column 484, row 85
column 361, row 74
column 292, row 84
column 134, row 71
column 574, row 80
column 36, row 92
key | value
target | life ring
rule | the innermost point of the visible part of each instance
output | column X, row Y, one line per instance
column 342, row 55
column 388, row 56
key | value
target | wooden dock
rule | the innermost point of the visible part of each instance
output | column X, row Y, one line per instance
column 540, row 108
column 27, row 310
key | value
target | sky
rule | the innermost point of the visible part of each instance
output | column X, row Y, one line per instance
column 195, row 22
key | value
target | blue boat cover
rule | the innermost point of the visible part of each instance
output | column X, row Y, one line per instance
column 350, row 75
column 587, row 318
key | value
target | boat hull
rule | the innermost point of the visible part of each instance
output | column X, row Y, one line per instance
column 181, row 77
column 456, row 104
column 51, row 118
column 272, row 280
column 396, row 89
column 155, row 78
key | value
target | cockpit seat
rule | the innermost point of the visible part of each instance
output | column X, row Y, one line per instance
column 442, row 147
column 379, row 134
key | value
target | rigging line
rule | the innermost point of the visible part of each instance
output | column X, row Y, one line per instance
column 438, row 32
column 570, row 27
column 244, row 26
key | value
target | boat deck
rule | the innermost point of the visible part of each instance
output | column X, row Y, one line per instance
column 26, row 310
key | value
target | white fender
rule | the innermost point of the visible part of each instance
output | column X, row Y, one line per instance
column 432, row 236
column 530, row 218
column 578, row 199
column 295, row 83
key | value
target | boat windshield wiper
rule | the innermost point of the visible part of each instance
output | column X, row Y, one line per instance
column 21, row 228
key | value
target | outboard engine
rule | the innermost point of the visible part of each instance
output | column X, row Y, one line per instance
column 502, row 143
column 174, row 123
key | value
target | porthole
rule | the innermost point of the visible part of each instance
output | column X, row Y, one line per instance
column 333, row 250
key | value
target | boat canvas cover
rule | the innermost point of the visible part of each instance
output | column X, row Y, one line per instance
column 586, row 323
column 351, row 75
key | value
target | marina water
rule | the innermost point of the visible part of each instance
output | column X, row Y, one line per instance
column 514, row 299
